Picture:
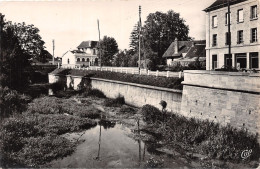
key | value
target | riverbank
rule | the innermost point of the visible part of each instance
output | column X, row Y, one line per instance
column 49, row 123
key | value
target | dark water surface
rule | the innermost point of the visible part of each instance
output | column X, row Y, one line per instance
column 110, row 145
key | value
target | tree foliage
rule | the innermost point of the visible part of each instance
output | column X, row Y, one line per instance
column 18, row 44
column 109, row 48
column 28, row 37
column 159, row 31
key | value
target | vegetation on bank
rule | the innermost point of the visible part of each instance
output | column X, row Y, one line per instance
column 217, row 142
column 33, row 138
column 167, row 82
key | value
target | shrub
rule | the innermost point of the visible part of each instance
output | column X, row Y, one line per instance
column 11, row 102
column 57, row 86
column 119, row 101
column 150, row 113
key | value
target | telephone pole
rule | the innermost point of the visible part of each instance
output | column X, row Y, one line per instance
column 229, row 38
column 53, row 48
column 99, row 51
column 139, row 51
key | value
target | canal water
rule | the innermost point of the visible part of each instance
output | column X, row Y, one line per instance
column 111, row 145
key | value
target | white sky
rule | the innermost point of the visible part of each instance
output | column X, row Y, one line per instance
column 71, row 22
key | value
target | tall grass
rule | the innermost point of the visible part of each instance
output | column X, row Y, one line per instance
column 220, row 142
column 34, row 139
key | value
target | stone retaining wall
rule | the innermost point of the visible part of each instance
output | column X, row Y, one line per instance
column 227, row 98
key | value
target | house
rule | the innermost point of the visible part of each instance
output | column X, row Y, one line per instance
column 185, row 52
column 244, row 24
column 85, row 55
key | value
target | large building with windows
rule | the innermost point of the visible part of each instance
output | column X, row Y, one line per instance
column 85, row 55
column 244, row 25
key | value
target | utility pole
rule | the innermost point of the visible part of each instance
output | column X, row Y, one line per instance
column 99, row 51
column 139, row 52
column 229, row 38
column 53, row 48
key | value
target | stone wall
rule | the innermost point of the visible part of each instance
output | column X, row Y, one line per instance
column 227, row 98
column 134, row 94
column 139, row 95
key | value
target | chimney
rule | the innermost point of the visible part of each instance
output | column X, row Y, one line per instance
column 176, row 49
column 193, row 44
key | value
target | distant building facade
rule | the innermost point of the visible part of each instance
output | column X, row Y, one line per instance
column 185, row 52
column 244, row 27
column 85, row 55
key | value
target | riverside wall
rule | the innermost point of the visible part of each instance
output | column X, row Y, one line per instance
column 223, row 97
column 226, row 98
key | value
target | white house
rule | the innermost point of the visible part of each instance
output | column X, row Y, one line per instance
column 244, row 25
column 85, row 55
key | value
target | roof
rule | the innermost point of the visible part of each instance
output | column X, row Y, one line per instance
column 221, row 4
column 186, row 47
column 88, row 44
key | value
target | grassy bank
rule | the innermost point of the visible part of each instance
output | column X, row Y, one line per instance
column 170, row 82
column 32, row 138
column 215, row 141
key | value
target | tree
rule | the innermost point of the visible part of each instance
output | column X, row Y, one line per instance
column 159, row 31
column 109, row 48
column 28, row 37
column 17, row 48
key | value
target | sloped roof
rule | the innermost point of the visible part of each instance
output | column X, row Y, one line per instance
column 88, row 44
column 185, row 47
column 221, row 4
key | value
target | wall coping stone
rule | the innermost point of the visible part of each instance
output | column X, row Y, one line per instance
column 222, row 73
column 221, row 88
column 140, row 85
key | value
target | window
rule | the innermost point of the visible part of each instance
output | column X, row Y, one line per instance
column 83, row 59
column 240, row 60
column 254, row 12
column 228, row 39
column 214, row 21
column 214, row 40
column 240, row 16
column 94, row 51
column 254, row 60
column 68, row 61
column 240, row 37
column 226, row 21
column 253, row 35
column 78, row 59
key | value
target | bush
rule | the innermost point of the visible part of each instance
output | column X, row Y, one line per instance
column 11, row 102
column 57, row 86
column 119, row 101
column 150, row 113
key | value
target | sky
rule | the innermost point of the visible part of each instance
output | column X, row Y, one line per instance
column 71, row 22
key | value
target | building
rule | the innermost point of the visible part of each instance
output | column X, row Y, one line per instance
column 85, row 55
column 185, row 52
column 244, row 24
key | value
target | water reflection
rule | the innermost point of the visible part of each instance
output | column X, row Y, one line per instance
column 108, row 145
